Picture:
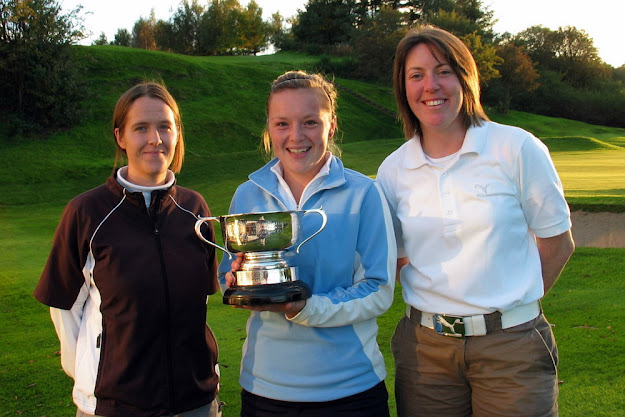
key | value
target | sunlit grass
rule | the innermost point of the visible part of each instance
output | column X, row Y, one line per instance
column 222, row 101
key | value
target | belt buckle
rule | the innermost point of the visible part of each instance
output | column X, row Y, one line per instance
column 452, row 326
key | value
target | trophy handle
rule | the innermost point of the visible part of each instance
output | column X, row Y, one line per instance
column 199, row 223
column 323, row 224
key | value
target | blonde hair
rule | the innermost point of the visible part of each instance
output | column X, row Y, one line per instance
column 455, row 52
column 152, row 90
column 296, row 80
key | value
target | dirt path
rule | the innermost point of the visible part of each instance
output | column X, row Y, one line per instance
column 598, row 230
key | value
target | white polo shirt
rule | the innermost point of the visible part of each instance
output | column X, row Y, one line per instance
column 468, row 229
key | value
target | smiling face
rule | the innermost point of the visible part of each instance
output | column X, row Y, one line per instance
column 299, row 124
column 149, row 138
column 433, row 92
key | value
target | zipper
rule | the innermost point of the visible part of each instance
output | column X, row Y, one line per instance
column 153, row 217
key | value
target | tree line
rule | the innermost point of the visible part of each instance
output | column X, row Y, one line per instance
column 223, row 27
column 538, row 70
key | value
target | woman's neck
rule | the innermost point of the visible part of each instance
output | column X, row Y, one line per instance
column 441, row 143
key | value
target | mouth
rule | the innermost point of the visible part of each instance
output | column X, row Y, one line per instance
column 432, row 103
column 298, row 151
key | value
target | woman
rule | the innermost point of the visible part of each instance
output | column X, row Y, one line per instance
column 127, row 279
column 317, row 356
column 482, row 228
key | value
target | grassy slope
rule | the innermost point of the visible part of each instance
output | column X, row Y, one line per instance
column 222, row 100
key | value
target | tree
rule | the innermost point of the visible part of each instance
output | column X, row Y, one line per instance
column 254, row 32
column 143, row 33
column 325, row 22
column 619, row 74
column 122, row 38
column 101, row 40
column 276, row 30
column 218, row 30
column 453, row 21
column 164, row 36
column 40, row 80
column 485, row 56
column 185, row 27
column 375, row 42
column 567, row 51
column 518, row 74
column 461, row 17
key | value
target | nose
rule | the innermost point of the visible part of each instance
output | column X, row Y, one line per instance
column 154, row 138
column 297, row 131
column 431, row 82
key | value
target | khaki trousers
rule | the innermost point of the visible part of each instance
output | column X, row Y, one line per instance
column 511, row 373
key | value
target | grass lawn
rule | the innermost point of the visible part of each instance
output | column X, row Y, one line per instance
column 222, row 100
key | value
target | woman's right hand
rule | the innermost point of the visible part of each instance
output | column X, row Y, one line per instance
column 236, row 265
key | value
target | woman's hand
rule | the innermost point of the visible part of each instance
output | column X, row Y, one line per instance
column 235, row 265
column 288, row 309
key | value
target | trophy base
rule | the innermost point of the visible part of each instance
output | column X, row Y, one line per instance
column 284, row 292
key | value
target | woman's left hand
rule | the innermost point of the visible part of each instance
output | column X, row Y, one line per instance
column 288, row 309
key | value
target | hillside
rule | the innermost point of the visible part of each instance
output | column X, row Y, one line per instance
column 222, row 100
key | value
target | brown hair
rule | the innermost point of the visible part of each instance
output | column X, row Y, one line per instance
column 301, row 79
column 459, row 57
column 152, row 90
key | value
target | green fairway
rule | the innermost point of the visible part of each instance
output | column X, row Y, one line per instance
column 593, row 176
column 222, row 102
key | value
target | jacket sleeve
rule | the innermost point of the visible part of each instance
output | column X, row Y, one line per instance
column 62, row 285
column 373, row 282
column 67, row 325
column 63, row 276
column 211, row 261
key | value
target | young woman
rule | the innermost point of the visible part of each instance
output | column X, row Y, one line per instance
column 317, row 356
column 127, row 279
column 482, row 230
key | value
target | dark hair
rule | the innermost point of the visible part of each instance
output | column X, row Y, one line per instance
column 297, row 80
column 152, row 90
column 459, row 57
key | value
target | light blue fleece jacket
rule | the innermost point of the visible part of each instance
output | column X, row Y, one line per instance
column 329, row 350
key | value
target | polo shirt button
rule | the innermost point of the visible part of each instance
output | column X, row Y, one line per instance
column 450, row 212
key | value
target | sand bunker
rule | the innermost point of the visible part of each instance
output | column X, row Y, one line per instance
column 598, row 230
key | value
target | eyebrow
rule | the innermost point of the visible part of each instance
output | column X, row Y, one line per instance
column 440, row 64
column 145, row 122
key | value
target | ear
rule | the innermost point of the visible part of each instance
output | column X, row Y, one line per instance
column 119, row 139
column 333, row 126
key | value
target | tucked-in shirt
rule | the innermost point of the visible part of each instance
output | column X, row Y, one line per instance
column 468, row 229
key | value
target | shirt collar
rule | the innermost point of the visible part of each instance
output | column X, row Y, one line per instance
column 285, row 190
column 268, row 180
column 146, row 191
column 474, row 141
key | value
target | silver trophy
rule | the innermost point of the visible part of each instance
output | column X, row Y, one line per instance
column 265, row 276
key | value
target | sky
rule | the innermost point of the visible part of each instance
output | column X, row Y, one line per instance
column 598, row 18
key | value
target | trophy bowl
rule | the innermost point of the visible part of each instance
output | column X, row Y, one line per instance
column 265, row 276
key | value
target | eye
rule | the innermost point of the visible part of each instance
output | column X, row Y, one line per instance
column 415, row 76
column 140, row 129
column 446, row 71
column 165, row 128
column 311, row 122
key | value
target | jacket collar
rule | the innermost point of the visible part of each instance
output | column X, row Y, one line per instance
column 137, row 197
column 267, row 180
